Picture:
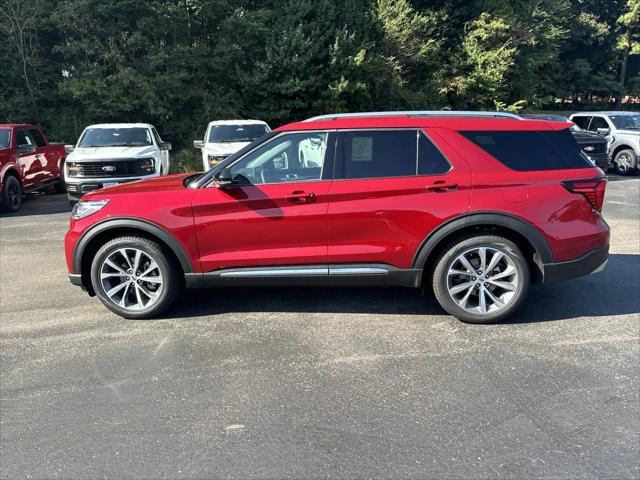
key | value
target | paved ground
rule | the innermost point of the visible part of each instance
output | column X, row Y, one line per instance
column 316, row 383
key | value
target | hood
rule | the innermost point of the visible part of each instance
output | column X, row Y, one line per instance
column 156, row 184
column 223, row 148
column 101, row 153
column 626, row 132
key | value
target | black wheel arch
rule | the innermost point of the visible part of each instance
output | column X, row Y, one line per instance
column 522, row 233
column 92, row 239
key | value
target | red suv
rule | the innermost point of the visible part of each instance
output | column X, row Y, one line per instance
column 476, row 208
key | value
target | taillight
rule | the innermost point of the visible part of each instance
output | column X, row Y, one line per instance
column 592, row 189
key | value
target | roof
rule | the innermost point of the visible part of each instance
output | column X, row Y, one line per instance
column 619, row 112
column 403, row 121
column 120, row 125
column 417, row 113
column 236, row 122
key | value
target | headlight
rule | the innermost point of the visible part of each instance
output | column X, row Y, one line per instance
column 147, row 165
column 72, row 169
column 85, row 208
column 216, row 159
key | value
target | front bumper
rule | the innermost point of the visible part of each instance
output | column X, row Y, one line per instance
column 78, row 186
column 593, row 261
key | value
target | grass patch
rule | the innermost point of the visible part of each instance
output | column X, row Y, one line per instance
column 186, row 161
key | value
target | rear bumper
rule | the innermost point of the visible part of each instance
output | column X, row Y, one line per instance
column 588, row 263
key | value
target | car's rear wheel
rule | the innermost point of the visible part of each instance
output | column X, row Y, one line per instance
column 11, row 194
column 625, row 162
column 481, row 278
column 134, row 278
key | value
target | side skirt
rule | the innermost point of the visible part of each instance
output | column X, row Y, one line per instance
column 308, row 275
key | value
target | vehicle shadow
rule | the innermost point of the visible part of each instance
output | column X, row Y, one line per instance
column 608, row 293
column 613, row 177
column 41, row 203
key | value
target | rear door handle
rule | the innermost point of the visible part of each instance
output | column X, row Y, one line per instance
column 301, row 197
column 442, row 186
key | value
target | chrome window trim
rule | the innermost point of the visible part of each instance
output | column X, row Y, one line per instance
column 212, row 181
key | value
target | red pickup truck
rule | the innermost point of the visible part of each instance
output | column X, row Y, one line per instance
column 27, row 162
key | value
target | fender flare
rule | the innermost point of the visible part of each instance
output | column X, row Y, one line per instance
column 535, row 238
column 11, row 167
column 133, row 223
column 622, row 146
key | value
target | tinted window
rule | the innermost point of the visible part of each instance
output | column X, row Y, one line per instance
column 379, row 154
column 37, row 136
column 430, row 160
column 116, row 137
column 294, row 157
column 596, row 123
column 582, row 122
column 4, row 137
column 532, row 150
column 236, row 133
column 23, row 138
column 626, row 121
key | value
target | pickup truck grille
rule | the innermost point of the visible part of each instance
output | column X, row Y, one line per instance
column 112, row 168
column 593, row 148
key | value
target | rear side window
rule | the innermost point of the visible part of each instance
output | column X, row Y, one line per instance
column 390, row 153
column 37, row 136
column 532, row 150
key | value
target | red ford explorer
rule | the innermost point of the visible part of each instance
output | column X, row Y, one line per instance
column 477, row 208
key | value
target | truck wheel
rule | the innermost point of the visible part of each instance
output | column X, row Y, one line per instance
column 481, row 278
column 134, row 278
column 11, row 194
column 625, row 162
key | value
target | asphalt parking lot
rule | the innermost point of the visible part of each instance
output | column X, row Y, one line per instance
column 290, row 382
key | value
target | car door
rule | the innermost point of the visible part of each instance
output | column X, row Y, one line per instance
column 275, row 212
column 28, row 158
column 391, row 189
column 46, row 157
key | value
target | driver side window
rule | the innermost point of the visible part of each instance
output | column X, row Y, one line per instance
column 295, row 157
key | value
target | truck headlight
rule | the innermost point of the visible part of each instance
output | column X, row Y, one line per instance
column 216, row 159
column 72, row 169
column 85, row 208
column 147, row 165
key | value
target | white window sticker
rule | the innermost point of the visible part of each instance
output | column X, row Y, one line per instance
column 362, row 149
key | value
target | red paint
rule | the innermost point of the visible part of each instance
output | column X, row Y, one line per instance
column 35, row 168
column 354, row 221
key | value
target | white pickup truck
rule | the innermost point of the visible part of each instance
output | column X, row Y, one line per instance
column 112, row 153
column 225, row 137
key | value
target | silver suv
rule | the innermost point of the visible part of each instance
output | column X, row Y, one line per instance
column 622, row 130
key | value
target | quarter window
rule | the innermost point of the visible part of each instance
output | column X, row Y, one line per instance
column 37, row 136
column 296, row 157
column 430, row 160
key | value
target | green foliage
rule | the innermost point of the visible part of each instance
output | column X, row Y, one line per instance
column 181, row 63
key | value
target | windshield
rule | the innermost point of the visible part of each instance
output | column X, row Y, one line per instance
column 116, row 137
column 236, row 133
column 4, row 137
column 626, row 121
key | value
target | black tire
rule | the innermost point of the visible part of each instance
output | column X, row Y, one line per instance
column 464, row 244
column 11, row 194
column 625, row 162
column 169, row 271
column 60, row 186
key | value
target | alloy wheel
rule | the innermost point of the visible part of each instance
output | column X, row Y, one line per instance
column 482, row 280
column 14, row 194
column 131, row 279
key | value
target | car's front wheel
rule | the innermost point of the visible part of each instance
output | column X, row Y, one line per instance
column 625, row 162
column 134, row 278
column 481, row 278
column 11, row 194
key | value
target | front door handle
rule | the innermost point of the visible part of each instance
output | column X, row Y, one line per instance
column 442, row 186
column 301, row 197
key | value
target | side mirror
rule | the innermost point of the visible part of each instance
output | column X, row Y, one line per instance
column 69, row 148
column 224, row 178
column 602, row 131
column 24, row 149
column 198, row 143
column 165, row 146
